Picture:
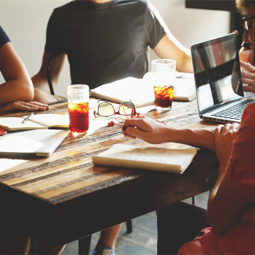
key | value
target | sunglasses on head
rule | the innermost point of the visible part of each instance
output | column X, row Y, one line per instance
column 248, row 23
column 106, row 109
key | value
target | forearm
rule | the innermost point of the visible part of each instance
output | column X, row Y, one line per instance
column 168, row 47
column 156, row 132
column 16, row 89
column 40, row 82
column 186, row 64
column 200, row 138
column 56, row 65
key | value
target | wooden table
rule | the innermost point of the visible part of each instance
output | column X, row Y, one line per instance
column 64, row 197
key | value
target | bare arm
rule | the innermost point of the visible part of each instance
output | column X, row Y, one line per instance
column 225, row 205
column 155, row 132
column 42, row 91
column 168, row 47
column 18, row 85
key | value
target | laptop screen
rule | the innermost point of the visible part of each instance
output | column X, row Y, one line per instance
column 217, row 72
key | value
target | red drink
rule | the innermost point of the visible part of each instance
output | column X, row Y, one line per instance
column 79, row 117
column 164, row 96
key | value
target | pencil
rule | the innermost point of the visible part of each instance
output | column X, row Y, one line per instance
column 28, row 117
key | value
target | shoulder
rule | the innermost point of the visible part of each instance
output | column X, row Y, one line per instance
column 3, row 37
column 64, row 9
column 134, row 5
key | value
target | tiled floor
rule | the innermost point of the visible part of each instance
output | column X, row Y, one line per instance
column 143, row 239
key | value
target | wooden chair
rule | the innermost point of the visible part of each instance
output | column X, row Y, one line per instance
column 48, row 75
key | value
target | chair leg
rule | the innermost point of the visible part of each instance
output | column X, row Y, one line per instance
column 129, row 226
column 84, row 245
column 194, row 200
column 33, row 249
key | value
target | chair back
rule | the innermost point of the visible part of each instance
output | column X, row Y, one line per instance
column 48, row 75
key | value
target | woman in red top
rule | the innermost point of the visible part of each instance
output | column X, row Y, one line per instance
column 231, row 206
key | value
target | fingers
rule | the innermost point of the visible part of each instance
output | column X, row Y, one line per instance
column 224, row 138
column 230, row 127
column 129, row 125
column 247, row 66
column 133, row 132
column 30, row 106
column 248, row 78
column 249, row 88
column 40, row 106
column 135, row 122
column 218, row 129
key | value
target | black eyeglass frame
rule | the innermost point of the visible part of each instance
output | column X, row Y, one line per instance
column 125, row 103
column 245, row 24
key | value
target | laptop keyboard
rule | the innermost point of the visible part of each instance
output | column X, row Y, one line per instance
column 233, row 112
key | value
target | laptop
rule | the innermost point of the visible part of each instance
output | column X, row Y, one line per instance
column 218, row 80
column 31, row 143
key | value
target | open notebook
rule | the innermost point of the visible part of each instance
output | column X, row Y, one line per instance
column 38, row 142
column 37, row 121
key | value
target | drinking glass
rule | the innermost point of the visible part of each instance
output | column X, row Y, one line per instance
column 163, row 75
column 78, row 107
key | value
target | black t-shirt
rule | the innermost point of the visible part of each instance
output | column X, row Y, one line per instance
column 3, row 37
column 104, row 42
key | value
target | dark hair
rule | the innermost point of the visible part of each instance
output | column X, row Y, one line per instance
column 243, row 6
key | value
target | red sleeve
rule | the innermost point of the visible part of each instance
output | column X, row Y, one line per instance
column 241, row 170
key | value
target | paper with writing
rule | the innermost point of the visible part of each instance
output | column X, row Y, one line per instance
column 151, row 158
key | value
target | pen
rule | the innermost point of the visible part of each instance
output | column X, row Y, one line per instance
column 28, row 117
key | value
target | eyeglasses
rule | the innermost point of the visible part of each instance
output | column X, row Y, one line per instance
column 247, row 23
column 106, row 109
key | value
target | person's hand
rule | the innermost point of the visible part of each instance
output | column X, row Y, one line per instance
column 31, row 106
column 248, row 77
column 224, row 138
column 145, row 128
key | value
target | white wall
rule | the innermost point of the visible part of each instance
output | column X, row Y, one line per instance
column 25, row 22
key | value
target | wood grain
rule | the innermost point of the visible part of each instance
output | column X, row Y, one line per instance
column 64, row 197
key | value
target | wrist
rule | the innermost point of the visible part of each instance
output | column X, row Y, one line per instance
column 5, row 108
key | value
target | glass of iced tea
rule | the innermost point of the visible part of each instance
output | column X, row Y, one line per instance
column 163, row 74
column 78, row 107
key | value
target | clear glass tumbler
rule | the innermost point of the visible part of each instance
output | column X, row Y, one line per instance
column 163, row 74
column 78, row 107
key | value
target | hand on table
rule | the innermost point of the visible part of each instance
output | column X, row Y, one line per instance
column 24, row 106
column 145, row 128
column 224, row 138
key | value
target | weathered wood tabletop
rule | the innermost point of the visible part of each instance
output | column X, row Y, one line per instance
column 64, row 197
